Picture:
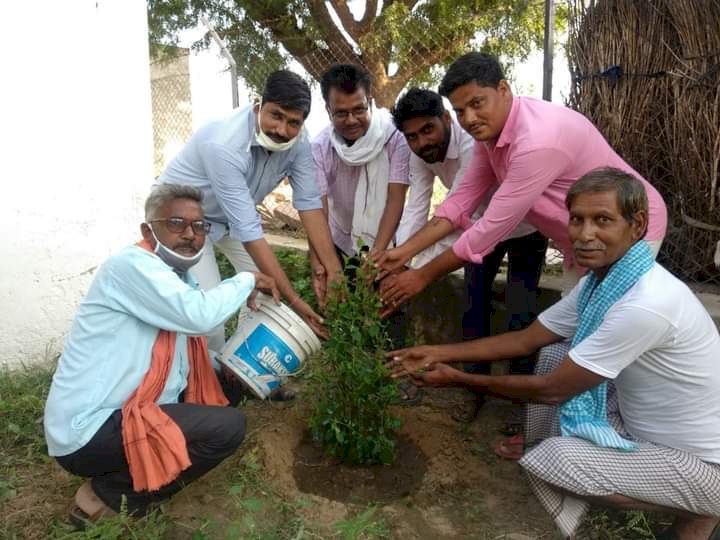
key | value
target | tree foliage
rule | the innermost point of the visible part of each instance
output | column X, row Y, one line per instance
column 399, row 41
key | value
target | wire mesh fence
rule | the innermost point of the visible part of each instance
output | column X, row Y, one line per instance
column 171, row 106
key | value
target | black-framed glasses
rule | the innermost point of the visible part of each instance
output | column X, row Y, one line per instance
column 357, row 112
column 178, row 225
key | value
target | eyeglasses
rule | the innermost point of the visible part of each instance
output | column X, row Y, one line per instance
column 357, row 112
column 178, row 225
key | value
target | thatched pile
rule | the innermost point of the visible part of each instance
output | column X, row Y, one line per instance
column 648, row 74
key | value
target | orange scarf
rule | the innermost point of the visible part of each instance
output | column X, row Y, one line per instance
column 154, row 445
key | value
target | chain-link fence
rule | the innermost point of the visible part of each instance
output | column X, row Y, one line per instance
column 171, row 105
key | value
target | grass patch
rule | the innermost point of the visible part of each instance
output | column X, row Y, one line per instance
column 22, row 441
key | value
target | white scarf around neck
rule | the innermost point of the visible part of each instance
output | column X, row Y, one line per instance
column 368, row 152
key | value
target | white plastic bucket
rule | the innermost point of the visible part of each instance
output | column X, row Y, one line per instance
column 269, row 345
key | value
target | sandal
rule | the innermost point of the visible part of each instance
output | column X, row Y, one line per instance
column 511, row 428
column 281, row 394
column 510, row 448
column 468, row 411
column 89, row 508
column 81, row 520
column 410, row 394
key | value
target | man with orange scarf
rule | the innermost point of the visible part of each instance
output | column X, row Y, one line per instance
column 135, row 404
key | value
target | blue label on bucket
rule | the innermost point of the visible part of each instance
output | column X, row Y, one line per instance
column 267, row 353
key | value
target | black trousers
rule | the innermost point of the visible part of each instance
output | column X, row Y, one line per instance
column 211, row 433
column 526, row 257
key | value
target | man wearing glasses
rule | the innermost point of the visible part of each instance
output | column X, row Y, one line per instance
column 361, row 167
column 135, row 404
column 236, row 162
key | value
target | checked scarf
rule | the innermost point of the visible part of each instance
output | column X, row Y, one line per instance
column 585, row 415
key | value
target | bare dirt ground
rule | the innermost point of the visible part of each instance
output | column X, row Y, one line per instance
column 454, row 486
column 447, row 483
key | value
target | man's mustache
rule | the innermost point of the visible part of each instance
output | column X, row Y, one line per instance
column 278, row 138
column 182, row 245
column 591, row 245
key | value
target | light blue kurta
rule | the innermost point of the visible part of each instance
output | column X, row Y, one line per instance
column 108, row 349
column 235, row 173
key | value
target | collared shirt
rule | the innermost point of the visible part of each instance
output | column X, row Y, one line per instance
column 339, row 181
column 450, row 171
column 542, row 150
column 235, row 173
column 109, row 347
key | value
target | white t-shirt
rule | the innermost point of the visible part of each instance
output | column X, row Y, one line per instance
column 662, row 350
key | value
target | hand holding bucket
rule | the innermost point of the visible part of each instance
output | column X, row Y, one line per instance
column 270, row 344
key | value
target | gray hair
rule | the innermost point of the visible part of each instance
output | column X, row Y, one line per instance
column 164, row 193
column 631, row 195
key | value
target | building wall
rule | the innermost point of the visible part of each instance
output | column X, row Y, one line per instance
column 77, row 159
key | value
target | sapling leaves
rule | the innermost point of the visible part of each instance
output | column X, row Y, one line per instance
column 351, row 418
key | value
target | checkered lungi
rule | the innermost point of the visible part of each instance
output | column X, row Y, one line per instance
column 653, row 473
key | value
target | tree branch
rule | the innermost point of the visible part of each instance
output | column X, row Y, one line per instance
column 330, row 31
column 346, row 18
column 368, row 17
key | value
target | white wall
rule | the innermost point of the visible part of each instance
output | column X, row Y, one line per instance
column 77, row 159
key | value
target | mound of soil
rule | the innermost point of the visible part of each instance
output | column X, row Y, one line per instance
column 317, row 474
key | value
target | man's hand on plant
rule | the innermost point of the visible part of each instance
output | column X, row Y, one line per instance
column 389, row 260
column 413, row 360
column 399, row 288
column 313, row 320
column 437, row 375
column 319, row 283
column 266, row 285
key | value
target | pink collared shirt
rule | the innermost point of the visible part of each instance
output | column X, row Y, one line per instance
column 542, row 150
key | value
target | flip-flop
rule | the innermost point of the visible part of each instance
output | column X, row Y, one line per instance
column 281, row 394
column 510, row 429
column 405, row 398
column 510, row 448
column 81, row 520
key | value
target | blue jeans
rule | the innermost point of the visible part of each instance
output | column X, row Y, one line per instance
column 526, row 256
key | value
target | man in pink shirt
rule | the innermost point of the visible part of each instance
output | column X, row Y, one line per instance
column 532, row 151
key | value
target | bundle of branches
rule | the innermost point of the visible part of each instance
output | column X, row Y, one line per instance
column 648, row 74
column 618, row 64
column 693, row 135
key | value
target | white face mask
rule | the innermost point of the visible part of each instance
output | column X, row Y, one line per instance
column 178, row 262
column 267, row 143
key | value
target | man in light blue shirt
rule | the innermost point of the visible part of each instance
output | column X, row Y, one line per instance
column 135, row 295
column 236, row 162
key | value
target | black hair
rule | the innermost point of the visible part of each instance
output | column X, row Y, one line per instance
column 631, row 194
column 415, row 103
column 288, row 90
column 477, row 67
column 345, row 77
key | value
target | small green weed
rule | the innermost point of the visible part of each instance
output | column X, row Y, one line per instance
column 150, row 527
column 618, row 525
column 351, row 417
column 22, row 400
column 362, row 526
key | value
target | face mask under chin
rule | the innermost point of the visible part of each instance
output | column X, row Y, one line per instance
column 266, row 142
column 177, row 262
